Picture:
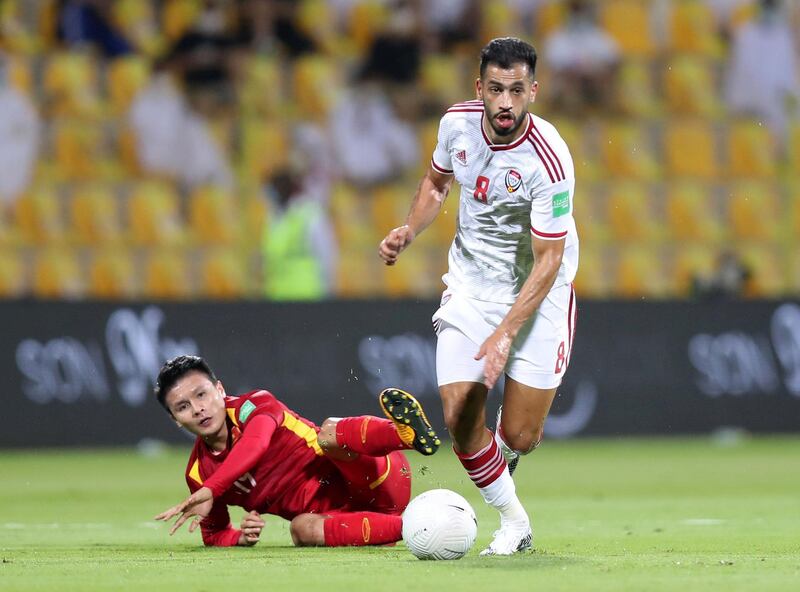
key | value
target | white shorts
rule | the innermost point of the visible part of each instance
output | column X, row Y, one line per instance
column 539, row 355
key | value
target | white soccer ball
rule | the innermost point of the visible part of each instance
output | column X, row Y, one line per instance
column 439, row 524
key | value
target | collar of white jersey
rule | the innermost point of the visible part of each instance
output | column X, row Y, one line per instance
column 513, row 144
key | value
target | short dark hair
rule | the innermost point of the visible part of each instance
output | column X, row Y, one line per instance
column 507, row 51
column 175, row 369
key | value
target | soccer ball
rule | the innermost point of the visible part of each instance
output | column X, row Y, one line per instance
column 439, row 524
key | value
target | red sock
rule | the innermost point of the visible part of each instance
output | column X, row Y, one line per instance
column 357, row 529
column 485, row 466
column 373, row 436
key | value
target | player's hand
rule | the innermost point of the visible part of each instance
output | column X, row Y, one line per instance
column 496, row 350
column 197, row 505
column 394, row 243
column 251, row 527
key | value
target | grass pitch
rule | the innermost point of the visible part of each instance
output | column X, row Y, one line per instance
column 677, row 514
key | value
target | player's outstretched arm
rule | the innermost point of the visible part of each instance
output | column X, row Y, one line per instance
column 196, row 506
column 496, row 348
column 430, row 196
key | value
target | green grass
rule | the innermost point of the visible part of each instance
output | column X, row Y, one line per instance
column 608, row 515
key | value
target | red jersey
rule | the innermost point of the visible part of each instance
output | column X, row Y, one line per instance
column 284, row 471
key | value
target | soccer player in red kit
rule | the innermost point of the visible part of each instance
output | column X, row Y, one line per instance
column 345, row 482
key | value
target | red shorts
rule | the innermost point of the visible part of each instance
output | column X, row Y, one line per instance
column 376, row 483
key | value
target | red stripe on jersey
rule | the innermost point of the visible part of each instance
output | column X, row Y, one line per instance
column 572, row 321
column 440, row 169
column 465, row 110
column 469, row 103
column 496, row 147
column 548, row 234
column 550, row 150
column 544, row 162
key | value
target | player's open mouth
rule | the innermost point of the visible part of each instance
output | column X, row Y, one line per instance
column 204, row 423
column 505, row 120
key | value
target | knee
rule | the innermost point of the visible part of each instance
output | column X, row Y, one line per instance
column 307, row 530
column 523, row 442
column 327, row 434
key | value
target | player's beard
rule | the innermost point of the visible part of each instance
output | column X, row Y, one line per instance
column 510, row 131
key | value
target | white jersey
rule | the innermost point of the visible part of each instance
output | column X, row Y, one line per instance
column 508, row 192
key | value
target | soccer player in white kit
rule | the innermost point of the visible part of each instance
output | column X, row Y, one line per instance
column 509, row 306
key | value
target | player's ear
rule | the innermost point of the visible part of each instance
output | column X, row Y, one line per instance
column 478, row 89
column 534, row 90
column 220, row 388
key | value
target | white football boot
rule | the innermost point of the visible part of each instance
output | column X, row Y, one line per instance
column 512, row 537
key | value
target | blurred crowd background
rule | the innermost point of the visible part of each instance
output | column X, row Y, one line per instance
column 260, row 149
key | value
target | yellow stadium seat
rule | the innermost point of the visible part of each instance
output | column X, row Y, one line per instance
column 768, row 264
column 754, row 211
column 640, row 272
column 693, row 212
column 17, row 36
column 178, row 15
column 113, row 275
column 579, row 140
column 689, row 86
column 261, row 90
column 314, row 17
column 793, row 195
column 366, row 18
column 316, row 87
column 793, row 154
column 628, row 21
column 752, row 151
column 593, row 279
column 441, row 78
column 154, row 215
column 635, row 89
column 13, row 276
column 78, row 147
column 690, row 149
column 224, row 275
column 359, row 274
column 138, row 20
column 416, row 276
column 793, row 280
column 550, row 17
column 70, row 84
column 692, row 262
column 40, row 216
column 95, row 215
column 631, row 212
column 589, row 213
column 167, row 275
column 126, row 76
column 265, row 147
column 693, row 28
column 214, row 216
column 58, row 273
column 628, row 151
column 499, row 19
column 19, row 74
column 389, row 207
column 351, row 218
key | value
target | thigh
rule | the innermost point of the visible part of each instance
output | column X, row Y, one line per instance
column 525, row 409
column 378, row 483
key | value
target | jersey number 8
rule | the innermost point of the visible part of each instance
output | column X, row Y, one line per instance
column 481, row 189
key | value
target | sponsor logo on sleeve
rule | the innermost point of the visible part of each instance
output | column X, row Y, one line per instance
column 560, row 204
column 245, row 411
column 513, row 180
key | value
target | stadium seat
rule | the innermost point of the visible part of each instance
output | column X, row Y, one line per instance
column 793, row 151
column 224, row 275
column 752, row 151
column 40, row 217
column 178, row 15
column 314, row 18
column 17, row 37
column 125, row 77
column 70, row 85
column 769, row 266
column 13, row 273
column 628, row 151
column 693, row 28
column 316, row 87
column 590, row 212
column 58, row 274
column 214, row 216
column 366, row 18
column 499, row 19
column 441, row 78
column 580, row 140
column 261, row 91
column 635, row 89
column 415, row 276
column 754, row 211
column 630, row 211
column 359, row 274
column 95, row 215
column 689, row 86
column 628, row 21
column 549, row 18
column 693, row 212
column 167, row 275
column 154, row 215
column 351, row 217
column 691, row 261
column 78, row 147
column 264, row 147
column 138, row 20
column 640, row 272
column 19, row 73
column 690, row 149
column 792, row 192
column 113, row 275
column 593, row 279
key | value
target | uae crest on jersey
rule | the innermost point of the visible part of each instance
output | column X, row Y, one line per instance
column 461, row 156
column 513, row 180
